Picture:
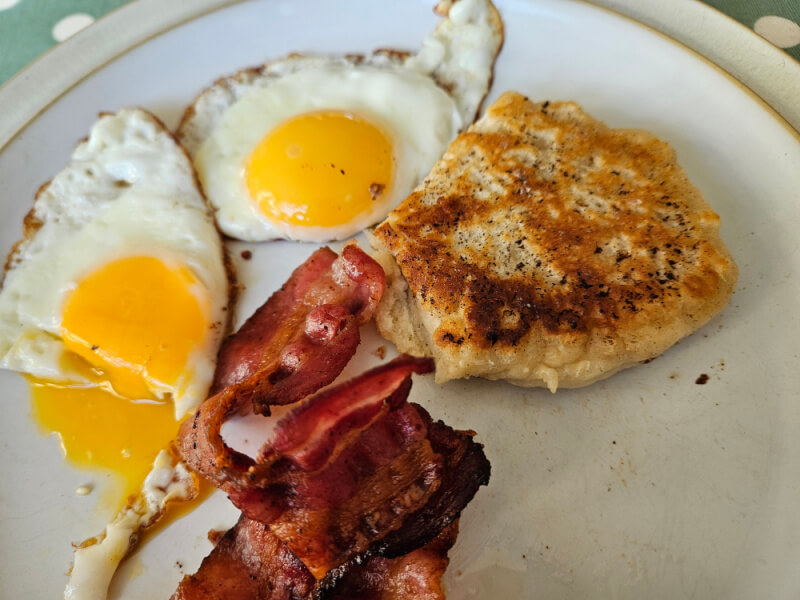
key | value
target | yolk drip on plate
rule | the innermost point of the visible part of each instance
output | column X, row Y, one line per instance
column 130, row 326
column 101, row 430
column 319, row 169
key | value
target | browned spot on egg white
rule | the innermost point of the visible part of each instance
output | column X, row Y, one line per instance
column 376, row 190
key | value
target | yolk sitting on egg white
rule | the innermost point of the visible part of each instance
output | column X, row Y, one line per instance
column 320, row 169
column 323, row 152
column 133, row 324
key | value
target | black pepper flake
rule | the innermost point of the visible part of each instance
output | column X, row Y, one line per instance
column 95, row 347
column 702, row 380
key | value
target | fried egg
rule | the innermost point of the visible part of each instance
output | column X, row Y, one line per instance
column 317, row 148
column 115, row 302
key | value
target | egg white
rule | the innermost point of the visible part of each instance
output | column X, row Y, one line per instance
column 129, row 190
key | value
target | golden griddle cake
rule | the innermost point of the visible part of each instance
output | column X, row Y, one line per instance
column 548, row 250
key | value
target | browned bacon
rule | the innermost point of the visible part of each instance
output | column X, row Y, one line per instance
column 354, row 471
column 344, row 469
column 355, row 475
column 296, row 343
column 302, row 337
column 251, row 563
column 248, row 563
column 417, row 575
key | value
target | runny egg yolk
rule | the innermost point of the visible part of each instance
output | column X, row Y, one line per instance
column 320, row 169
column 131, row 325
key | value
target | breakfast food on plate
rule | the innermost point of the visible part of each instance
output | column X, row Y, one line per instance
column 313, row 323
column 350, row 478
column 316, row 148
column 548, row 250
column 115, row 303
column 250, row 563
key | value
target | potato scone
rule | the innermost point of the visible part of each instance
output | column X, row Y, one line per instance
column 548, row 250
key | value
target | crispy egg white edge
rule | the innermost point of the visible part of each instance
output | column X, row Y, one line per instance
column 128, row 189
column 94, row 565
column 460, row 53
column 418, row 116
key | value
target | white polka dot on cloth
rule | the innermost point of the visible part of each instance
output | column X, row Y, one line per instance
column 70, row 25
column 781, row 32
column 4, row 4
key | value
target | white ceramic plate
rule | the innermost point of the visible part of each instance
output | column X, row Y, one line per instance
column 643, row 486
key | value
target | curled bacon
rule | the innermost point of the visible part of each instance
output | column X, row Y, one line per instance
column 251, row 563
column 305, row 334
column 356, row 473
column 342, row 471
column 314, row 433
column 248, row 563
column 296, row 343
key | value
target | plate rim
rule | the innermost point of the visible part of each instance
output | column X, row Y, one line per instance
column 768, row 74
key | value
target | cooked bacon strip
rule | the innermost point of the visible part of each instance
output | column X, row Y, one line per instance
column 417, row 575
column 296, row 343
column 465, row 468
column 248, row 563
column 251, row 563
column 314, row 433
column 354, row 473
column 379, row 466
column 334, row 515
column 302, row 337
column 372, row 476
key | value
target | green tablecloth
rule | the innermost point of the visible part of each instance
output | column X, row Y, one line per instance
column 29, row 27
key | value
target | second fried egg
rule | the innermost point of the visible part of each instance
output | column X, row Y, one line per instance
column 324, row 152
column 115, row 302
column 317, row 148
